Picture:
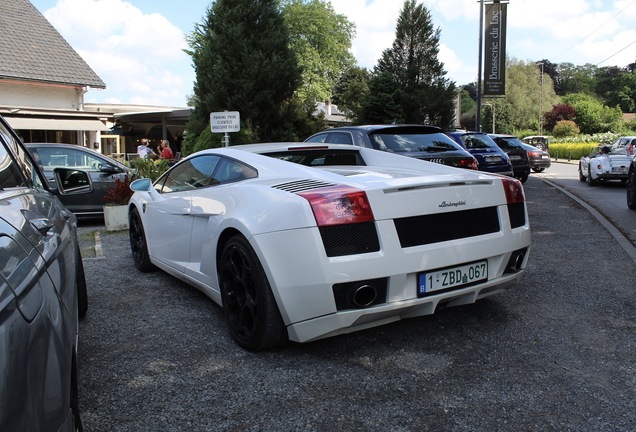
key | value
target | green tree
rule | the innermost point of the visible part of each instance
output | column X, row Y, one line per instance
column 382, row 106
column 592, row 116
column 528, row 94
column 321, row 40
column 243, row 61
column 351, row 91
column 412, row 63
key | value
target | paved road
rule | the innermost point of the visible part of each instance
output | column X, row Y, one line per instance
column 556, row 353
column 609, row 199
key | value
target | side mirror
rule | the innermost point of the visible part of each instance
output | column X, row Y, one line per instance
column 109, row 169
column 141, row 185
column 70, row 181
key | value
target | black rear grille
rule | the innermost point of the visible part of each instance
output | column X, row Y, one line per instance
column 350, row 239
column 517, row 215
column 436, row 228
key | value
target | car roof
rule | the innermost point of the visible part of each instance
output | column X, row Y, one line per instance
column 76, row 146
column 280, row 146
column 389, row 127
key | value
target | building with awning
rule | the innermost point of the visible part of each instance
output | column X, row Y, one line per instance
column 43, row 81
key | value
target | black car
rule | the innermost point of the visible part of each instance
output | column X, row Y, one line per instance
column 631, row 185
column 513, row 147
column 419, row 141
column 103, row 172
column 42, row 293
column 539, row 159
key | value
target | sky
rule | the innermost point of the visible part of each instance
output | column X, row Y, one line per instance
column 136, row 46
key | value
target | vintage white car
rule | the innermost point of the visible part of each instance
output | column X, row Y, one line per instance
column 604, row 164
column 306, row 241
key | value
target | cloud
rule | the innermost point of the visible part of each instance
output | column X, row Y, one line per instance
column 134, row 53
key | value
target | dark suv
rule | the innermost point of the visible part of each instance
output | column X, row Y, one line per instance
column 517, row 154
column 419, row 141
column 488, row 154
column 42, row 293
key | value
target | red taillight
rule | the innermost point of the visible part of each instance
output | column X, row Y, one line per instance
column 514, row 191
column 338, row 205
column 468, row 163
column 534, row 154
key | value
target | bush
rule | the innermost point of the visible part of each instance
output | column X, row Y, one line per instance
column 119, row 193
column 571, row 150
column 565, row 128
column 148, row 168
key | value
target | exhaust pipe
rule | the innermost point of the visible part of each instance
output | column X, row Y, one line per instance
column 364, row 295
column 516, row 261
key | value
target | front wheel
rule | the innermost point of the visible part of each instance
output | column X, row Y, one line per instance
column 581, row 175
column 631, row 189
column 250, row 308
column 138, row 245
column 538, row 169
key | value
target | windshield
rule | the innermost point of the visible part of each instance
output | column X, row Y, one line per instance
column 408, row 142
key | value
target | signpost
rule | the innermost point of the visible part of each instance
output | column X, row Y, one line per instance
column 225, row 122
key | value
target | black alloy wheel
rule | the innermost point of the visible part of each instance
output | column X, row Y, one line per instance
column 138, row 245
column 250, row 307
column 631, row 189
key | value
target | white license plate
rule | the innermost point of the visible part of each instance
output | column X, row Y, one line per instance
column 492, row 159
column 452, row 277
column 619, row 170
column 515, row 157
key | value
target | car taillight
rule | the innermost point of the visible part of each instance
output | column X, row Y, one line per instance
column 468, row 163
column 338, row 205
column 514, row 191
column 534, row 154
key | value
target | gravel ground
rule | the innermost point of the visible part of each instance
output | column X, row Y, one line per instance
column 555, row 353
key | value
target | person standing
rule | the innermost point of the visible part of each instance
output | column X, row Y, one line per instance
column 164, row 150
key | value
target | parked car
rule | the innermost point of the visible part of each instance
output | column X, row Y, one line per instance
column 103, row 172
column 42, row 294
column 539, row 159
column 301, row 252
column 631, row 185
column 626, row 142
column 539, row 141
column 518, row 155
column 490, row 157
column 419, row 141
column 604, row 164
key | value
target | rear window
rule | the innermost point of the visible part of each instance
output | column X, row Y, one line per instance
column 510, row 143
column 412, row 142
column 320, row 157
column 476, row 141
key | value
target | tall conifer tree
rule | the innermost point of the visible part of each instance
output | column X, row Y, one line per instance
column 426, row 95
column 243, row 62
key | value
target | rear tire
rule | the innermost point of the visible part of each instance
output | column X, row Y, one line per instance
column 581, row 175
column 538, row 169
column 631, row 189
column 138, row 245
column 590, row 180
column 249, row 304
